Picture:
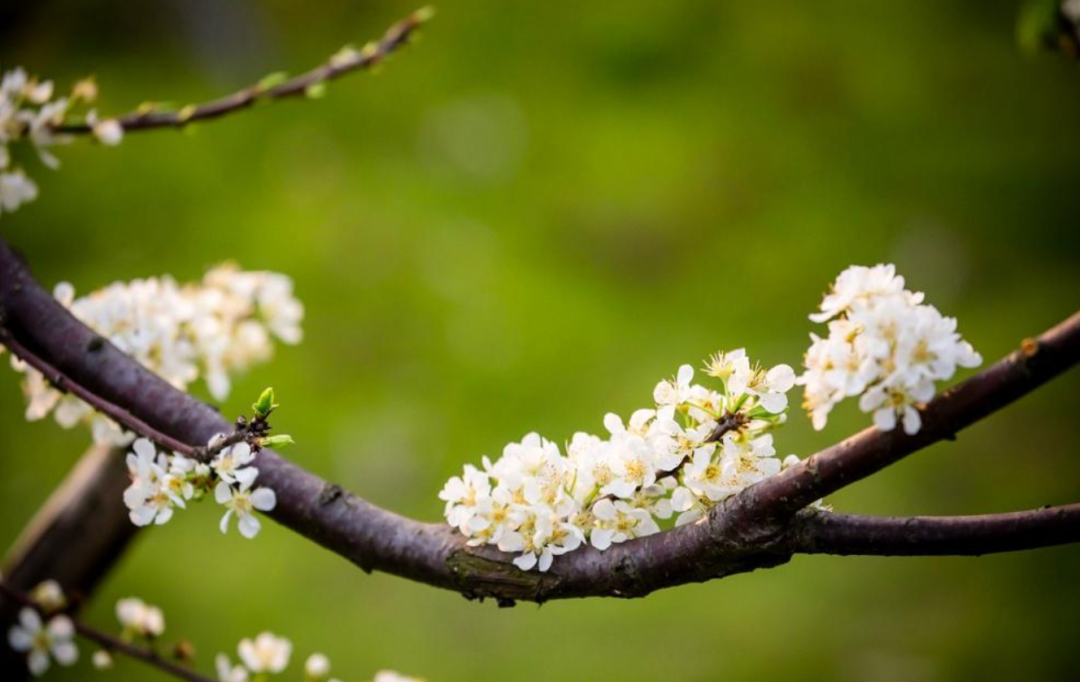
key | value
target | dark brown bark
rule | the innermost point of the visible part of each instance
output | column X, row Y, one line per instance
column 849, row 534
column 746, row 532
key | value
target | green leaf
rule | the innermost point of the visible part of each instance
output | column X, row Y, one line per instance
column 265, row 404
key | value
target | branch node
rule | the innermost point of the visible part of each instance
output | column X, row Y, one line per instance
column 330, row 493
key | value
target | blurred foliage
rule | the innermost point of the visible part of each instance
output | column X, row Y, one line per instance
column 524, row 221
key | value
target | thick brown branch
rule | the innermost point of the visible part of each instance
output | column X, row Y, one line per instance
column 395, row 37
column 744, row 533
column 825, row 533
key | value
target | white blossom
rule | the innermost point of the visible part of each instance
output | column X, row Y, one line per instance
column 49, row 596
column 102, row 660
column 267, row 653
column 243, row 502
column 138, row 617
column 884, row 345
column 232, row 465
column 317, row 666
column 41, row 641
column 227, row 672
column 538, row 503
column 156, row 487
column 28, row 113
column 210, row 330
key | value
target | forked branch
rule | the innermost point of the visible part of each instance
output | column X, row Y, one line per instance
column 760, row 527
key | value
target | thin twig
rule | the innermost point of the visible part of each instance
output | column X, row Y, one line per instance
column 142, row 119
column 110, row 643
column 118, row 414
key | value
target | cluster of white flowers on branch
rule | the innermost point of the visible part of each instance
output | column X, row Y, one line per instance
column 44, row 633
column 695, row 448
column 161, row 483
column 211, row 329
column 884, row 345
column 29, row 112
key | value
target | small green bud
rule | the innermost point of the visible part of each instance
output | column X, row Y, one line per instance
column 265, row 404
column 272, row 80
column 185, row 114
column 278, row 441
column 316, row 90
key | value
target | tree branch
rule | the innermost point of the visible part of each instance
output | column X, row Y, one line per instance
column 1036, row 361
column 395, row 37
column 74, row 539
column 745, row 532
column 110, row 643
column 849, row 534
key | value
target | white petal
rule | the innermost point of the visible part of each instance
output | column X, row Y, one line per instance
column 601, row 538
column 912, row 420
column 66, row 653
column 30, row 620
column 264, row 499
column 249, row 526
column 245, row 477
column 545, row 561
column 222, row 493
column 142, row 516
column 61, row 627
column 224, row 525
column 885, row 419
column 526, row 561
column 38, row 663
column 686, row 375
column 19, row 639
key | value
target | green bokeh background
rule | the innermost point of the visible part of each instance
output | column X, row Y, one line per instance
column 524, row 221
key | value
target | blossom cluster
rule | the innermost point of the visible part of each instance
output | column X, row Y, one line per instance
column 28, row 111
column 44, row 634
column 694, row 448
column 884, row 345
column 221, row 325
column 162, row 482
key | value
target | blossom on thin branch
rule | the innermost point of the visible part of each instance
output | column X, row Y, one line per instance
column 44, row 634
column 162, row 482
column 884, row 345
column 30, row 113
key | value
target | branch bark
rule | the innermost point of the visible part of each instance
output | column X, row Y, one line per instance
column 395, row 37
column 746, row 532
column 850, row 534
